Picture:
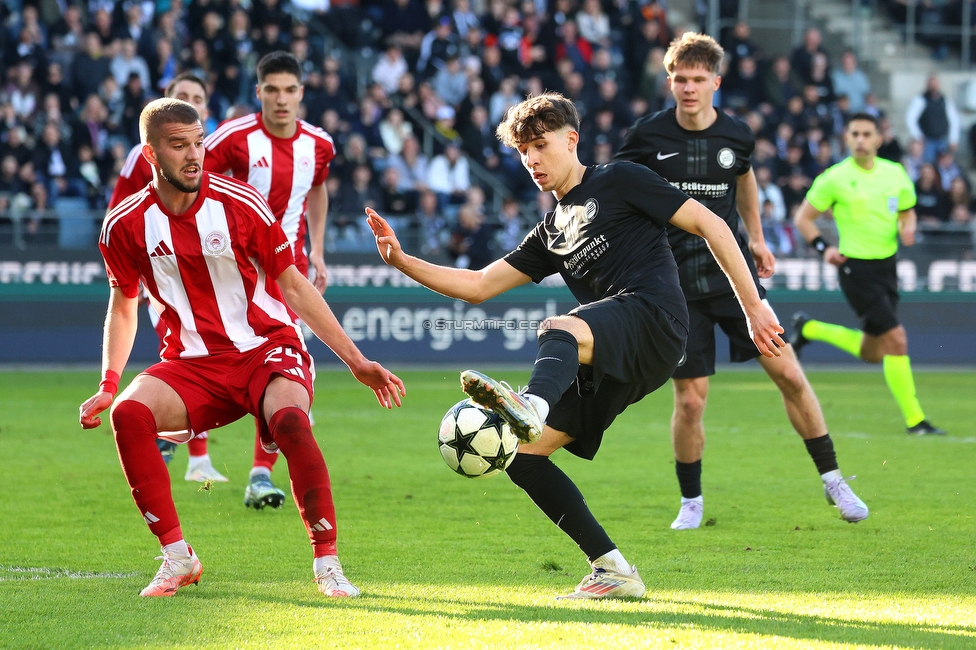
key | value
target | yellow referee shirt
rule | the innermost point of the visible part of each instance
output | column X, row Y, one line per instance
column 865, row 204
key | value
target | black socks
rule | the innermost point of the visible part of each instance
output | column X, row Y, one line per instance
column 689, row 478
column 821, row 450
column 555, row 366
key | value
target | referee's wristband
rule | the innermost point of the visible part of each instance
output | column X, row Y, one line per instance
column 819, row 244
column 110, row 382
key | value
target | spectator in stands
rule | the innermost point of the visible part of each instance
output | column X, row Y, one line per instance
column 438, row 46
column 90, row 67
column 411, row 165
column 652, row 84
column 503, row 99
column 394, row 130
column 128, row 61
column 39, row 222
column 367, row 124
column 947, row 167
column 795, row 188
column 777, row 234
column 931, row 205
column 959, row 195
column 16, row 145
column 472, row 244
column 51, row 161
column 54, row 83
column 511, row 230
column 445, row 120
column 913, row 159
column 782, row 83
column 594, row 24
column 354, row 154
column 352, row 200
column 464, row 20
column 820, row 79
column 743, row 89
column 840, row 113
column 475, row 96
column 101, row 23
column 10, row 183
column 389, row 68
column 68, row 33
column 394, row 199
column 574, row 47
column 448, row 176
column 801, row 60
column 478, row 137
column 492, row 71
column 432, row 230
column 932, row 118
column 739, row 44
column 450, row 81
column 769, row 191
column 405, row 22
column 849, row 80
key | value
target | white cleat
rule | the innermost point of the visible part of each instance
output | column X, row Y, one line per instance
column 840, row 495
column 520, row 414
column 204, row 471
column 606, row 583
column 175, row 572
column 333, row 583
column 690, row 515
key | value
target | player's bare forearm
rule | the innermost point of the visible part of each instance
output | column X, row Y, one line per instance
column 747, row 205
column 121, row 322
column 907, row 223
column 463, row 284
column 317, row 203
column 805, row 217
column 303, row 298
column 699, row 220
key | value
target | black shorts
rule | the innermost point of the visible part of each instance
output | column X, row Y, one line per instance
column 636, row 346
column 726, row 312
column 871, row 289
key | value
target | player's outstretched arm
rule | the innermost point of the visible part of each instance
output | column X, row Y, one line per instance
column 747, row 203
column 805, row 217
column 305, row 300
column 471, row 286
column 119, row 334
column 699, row 220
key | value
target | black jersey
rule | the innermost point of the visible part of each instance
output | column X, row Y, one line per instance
column 607, row 236
column 705, row 165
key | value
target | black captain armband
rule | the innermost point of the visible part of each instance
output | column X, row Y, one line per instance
column 819, row 244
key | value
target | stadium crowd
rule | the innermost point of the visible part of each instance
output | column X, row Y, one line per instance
column 76, row 74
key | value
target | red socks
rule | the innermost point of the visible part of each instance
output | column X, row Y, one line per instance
column 198, row 444
column 261, row 457
column 144, row 469
column 310, row 485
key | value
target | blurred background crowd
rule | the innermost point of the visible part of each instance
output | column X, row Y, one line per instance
column 414, row 125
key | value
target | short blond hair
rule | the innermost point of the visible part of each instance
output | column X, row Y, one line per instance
column 536, row 116
column 165, row 110
column 694, row 50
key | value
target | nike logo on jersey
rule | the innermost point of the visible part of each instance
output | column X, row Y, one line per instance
column 664, row 156
column 261, row 163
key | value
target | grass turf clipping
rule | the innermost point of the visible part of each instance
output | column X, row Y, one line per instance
column 448, row 562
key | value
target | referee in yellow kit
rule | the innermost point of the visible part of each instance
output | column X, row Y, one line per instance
column 873, row 204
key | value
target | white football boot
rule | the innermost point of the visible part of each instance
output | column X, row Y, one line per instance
column 520, row 414
column 690, row 515
column 840, row 495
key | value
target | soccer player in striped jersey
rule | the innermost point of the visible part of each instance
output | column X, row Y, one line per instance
column 136, row 174
column 287, row 160
column 208, row 249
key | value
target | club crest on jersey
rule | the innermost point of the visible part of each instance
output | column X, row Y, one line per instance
column 304, row 164
column 565, row 234
column 215, row 243
column 590, row 209
column 726, row 158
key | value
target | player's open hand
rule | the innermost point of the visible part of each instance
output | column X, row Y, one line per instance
column 386, row 240
column 387, row 386
column 765, row 331
column 92, row 407
column 764, row 258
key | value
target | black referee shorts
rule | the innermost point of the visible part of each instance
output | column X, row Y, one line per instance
column 871, row 289
column 726, row 312
column 636, row 346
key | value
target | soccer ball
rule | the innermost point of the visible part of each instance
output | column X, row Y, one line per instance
column 475, row 442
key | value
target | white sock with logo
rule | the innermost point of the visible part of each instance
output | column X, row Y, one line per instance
column 320, row 564
column 831, row 476
column 178, row 549
column 256, row 471
column 541, row 405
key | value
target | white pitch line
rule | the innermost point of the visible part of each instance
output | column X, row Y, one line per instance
column 44, row 573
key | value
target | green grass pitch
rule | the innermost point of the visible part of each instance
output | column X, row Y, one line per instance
column 447, row 562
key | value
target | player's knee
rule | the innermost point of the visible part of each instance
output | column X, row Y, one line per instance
column 130, row 417
column 290, row 423
column 555, row 324
column 525, row 469
column 791, row 380
column 689, row 405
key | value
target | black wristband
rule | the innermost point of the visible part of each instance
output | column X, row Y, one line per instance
column 819, row 244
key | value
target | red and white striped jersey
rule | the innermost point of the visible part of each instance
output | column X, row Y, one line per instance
column 283, row 170
column 136, row 174
column 213, row 268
